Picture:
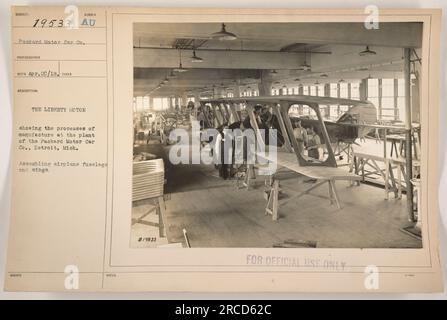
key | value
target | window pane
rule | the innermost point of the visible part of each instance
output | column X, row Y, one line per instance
column 343, row 90
column 387, row 102
column 320, row 91
column 355, row 91
column 387, row 87
column 343, row 109
column 374, row 101
column 306, row 90
column 306, row 110
column 158, row 104
column 373, row 88
column 388, row 114
column 333, row 112
column 334, row 90
column 139, row 103
column 294, row 110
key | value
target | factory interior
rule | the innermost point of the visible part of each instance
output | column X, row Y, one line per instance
column 343, row 102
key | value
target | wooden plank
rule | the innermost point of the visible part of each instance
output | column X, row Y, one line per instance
column 147, row 179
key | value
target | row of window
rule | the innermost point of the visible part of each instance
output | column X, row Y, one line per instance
column 388, row 95
column 336, row 90
column 142, row 103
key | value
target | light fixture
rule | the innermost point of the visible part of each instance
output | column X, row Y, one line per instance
column 324, row 75
column 363, row 69
column 194, row 58
column 223, row 34
column 180, row 67
column 273, row 71
column 341, row 81
column 317, row 83
column 367, row 52
column 172, row 74
column 297, row 80
column 165, row 80
column 276, row 82
column 305, row 66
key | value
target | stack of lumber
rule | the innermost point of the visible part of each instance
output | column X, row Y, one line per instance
column 148, row 179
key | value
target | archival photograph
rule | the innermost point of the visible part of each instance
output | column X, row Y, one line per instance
column 276, row 135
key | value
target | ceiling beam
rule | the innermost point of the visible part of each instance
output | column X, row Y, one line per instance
column 168, row 58
column 389, row 34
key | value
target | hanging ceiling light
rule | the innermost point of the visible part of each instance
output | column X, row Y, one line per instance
column 341, row 81
column 172, row 74
column 324, row 75
column 297, row 80
column 305, row 66
column 274, row 71
column 367, row 52
column 223, row 34
column 180, row 67
column 317, row 83
column 194, row 58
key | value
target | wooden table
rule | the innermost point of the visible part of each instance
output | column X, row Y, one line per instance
column 396, row 139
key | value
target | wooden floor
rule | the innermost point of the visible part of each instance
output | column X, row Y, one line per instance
column 216, row 213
